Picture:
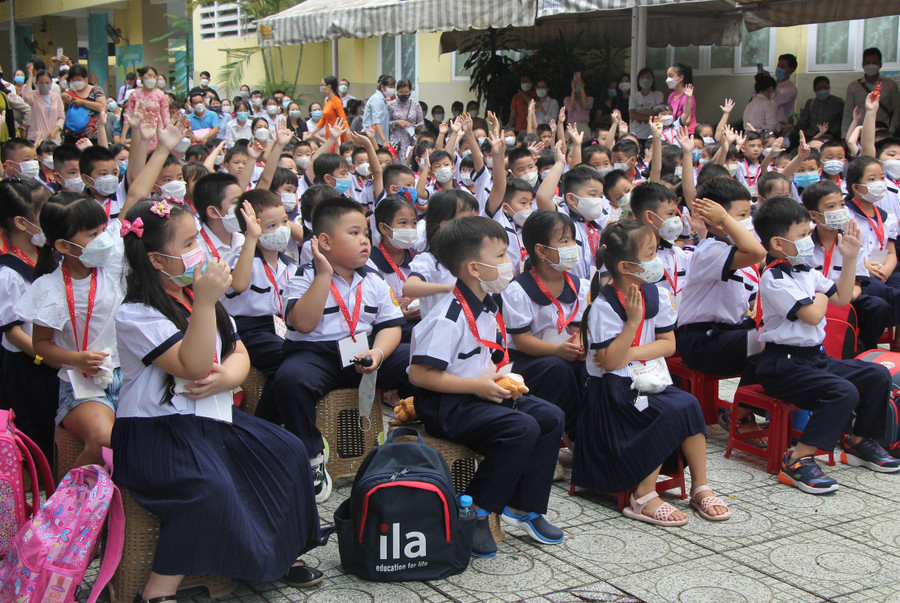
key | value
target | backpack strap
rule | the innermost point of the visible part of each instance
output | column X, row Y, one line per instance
column 404, row 431
column 115, row 540
column 42, row 465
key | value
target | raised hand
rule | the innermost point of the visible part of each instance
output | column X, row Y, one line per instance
column 710, row 211
column 493, row 122
column 456, row 125
column 656, row 127
column 634, row 305
column 728, row 107
column 255, row 150
column 443, row 128
column 685, row 138
column 323, row 266
column 562, row 115
column 689, row 90
column 822, row 129
column 804, row 150
column 849, row 243
column 148, row 127
column 137, row 116
column 558, row 155
column 168, row 138
column 575, row 135
column 254, row 230
column 776, row 146
column 536, row 148
column 283, row 134
column 83, row 143
column 552, row 125
column 872, row 101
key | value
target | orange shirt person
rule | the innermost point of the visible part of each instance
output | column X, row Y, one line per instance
column 332, row 109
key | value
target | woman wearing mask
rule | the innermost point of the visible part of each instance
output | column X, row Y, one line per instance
column 83, row 102
column 315, row 114
column 405, row 116
column 546, row 108
column 641, row 103
column 271, row 113
column 760, row 111
column 295, row 121
column 680, row 80
column 47, row 112
column 578, row 104
column 239, row 127
column 153, row 100
column 332, row 109
column 603, row 111
column 623, row 96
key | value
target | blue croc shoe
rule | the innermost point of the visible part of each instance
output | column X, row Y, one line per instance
column 483, row 544
column 534, row 525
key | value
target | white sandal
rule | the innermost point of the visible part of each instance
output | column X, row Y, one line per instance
column 704, row 504
column 660, row 516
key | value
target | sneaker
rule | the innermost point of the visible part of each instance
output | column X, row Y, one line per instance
column 321, row 480
column 868, row 453
column 724, row 418
column 805, row 474
column 483, row 544
column 534, row 525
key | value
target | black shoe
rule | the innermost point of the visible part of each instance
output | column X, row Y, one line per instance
column 483, row 544
column 301, row 576
column 139, row 598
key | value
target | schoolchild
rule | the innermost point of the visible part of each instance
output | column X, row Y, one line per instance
column 458, row 353
column 309, row 200
column 749, row 167
column 284, row 184
column 100, row 176
column 625, row 158
column 215, row 199
column 395, row 219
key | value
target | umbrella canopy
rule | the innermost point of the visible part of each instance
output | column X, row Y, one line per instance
column 782, row 13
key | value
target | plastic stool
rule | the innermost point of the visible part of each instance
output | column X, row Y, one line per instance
column 674, row 479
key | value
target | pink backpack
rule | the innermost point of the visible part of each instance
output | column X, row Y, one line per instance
column 50, row 554
column 15, row 510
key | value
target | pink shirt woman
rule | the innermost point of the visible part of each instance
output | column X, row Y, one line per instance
column 679, row 79
column 154, row 101
column 48, row 114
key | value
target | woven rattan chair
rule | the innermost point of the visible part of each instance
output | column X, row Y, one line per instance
column 66, row 448
column 253, row 386
column 337, row 417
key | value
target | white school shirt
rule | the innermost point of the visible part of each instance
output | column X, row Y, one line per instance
column 378, row 309
column 783, row 291
column 837, row 260
column 427, row 268
column 378, row 261
column 114, row 204
column 670, row 134
column 444, row 340
column 515, row 249
column 607, row 317
column 259, row 298
column 14, row 287
column 144, row 335
column 45, row 304
column 749, row 175
column 582, row 238
column 868, row 235
column 891, row 201
column 481, row 189
column 713, row 291
column 527, row 310
column 362, row 190
column 228, row 252
column 676, row 263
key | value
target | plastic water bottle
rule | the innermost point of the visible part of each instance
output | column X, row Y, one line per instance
column 466, row 512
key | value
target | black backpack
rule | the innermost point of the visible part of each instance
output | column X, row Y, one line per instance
column 401, row 521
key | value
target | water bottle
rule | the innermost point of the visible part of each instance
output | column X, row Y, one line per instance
column 466, row 512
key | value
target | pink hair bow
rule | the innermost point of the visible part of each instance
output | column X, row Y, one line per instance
column 137, row 227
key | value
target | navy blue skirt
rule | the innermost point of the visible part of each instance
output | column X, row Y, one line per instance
column 618, row 445
column 31, row 391
column 235, row 500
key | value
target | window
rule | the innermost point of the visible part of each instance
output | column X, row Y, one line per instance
column 224, row 20
column 756, row 47
column 398, row 56
column 839, row 46
column 459, row 58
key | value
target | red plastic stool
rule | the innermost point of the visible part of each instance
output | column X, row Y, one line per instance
column 674, row 479
column 703, row 386
column 778, row 432
column 887, row 336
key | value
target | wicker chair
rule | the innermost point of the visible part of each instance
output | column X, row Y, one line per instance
column 66, row 448
column 253, row 386
column 337, row 417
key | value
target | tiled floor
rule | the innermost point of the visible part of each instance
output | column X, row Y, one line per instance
column 779, row 545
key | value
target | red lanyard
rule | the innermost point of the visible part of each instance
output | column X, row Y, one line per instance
column 70, row 299
column 752, row 180
column 759, row 309
column 879, row 230
column 828, row 253
column 593, row 234
column 190, row 310
column 4, row 243
column 107, row 207
column 271, row 276
column 673, row 280
column 391, row 262
column 561, row 321
column 637, row 336
column 671, row 137
column 18, row 252
column 209, row 243
column 351, row 322
column 470, row 318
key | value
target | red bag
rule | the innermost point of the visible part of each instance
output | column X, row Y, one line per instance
column 841, row 331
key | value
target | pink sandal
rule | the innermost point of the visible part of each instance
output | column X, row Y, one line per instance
column 660, row 516
column 704, row 504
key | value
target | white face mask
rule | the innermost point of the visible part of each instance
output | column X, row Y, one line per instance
column 747, row 223
column 875, row 191
column 106, row 185
column 509, row 141
column 679, row 171
column 466, row 178
column 402, row 238
column 77, row 85
column 390, row 92
column 74, row 185
column 625, row 86
column 289, row 201
column 651, row 271
column 38, row 239
column 48, row 162
column 204, row 82
column 302, row 162
column 182, row 146
column 262, row 134
column 499, row 284
column 229, row 220
column 670, row 228
column 671, row 82
column 832, row 167
column 219, row 160
column 666, row 120
column 541, row 92
column 804, row 248
column 277, row 240
column 892, row 168
column 363, row 170
column 526, row 86
column 175, row 188
column 150, row 84
column 520, row 216
column 623, row 167
column 568, row 257
column 625, row 202
column 708, row 140
column 590, row 208
column 271, row 109
column 443, row 174
column 531, row 178
column 645, row 82
column 732, row 169
column 96, row 253
column 836, row 219
column 28, row 170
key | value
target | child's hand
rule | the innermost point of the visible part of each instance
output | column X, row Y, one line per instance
column 377, row 360
column 536, row 148
column 497, row 144
column 776, row 146
column 254, row 151
column 466, row 120
column 531, row 107
column 616, row 116
column 137, row 116
column 212, row 283
column 425, row 166
column 849, row 242
column 634, row 305
column 685, row 138
column 456, row 124
column 730, row 134
column 623, row 127
column 728, row 107
column 576, row 136
column 486, row 388
column 689, row 90
column 710, row 211
column 562, row 115
column 558, row 155
column 493, row 122
column 570, row 349
column 90, row 361
column 357, row 139
column 323, row 266
column 148, row 127
column 83, row 143
column 553, row 126
column 443, row 128
column 254, row 230
column 214, row 383
column 656, row 127
column 804, row 150
column 283, row 134
column 857, row 114
column 168, row 138
column 872, row 101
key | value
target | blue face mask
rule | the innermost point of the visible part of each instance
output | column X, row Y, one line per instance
column 316, row 115
column 613, row 92
column 823, row 94
column 804, row 179
column 243, row 115
column 409, row 194
column 19, row 79
column 780, row 73
column 695, row 154
column 123, row 167
column 341, row 185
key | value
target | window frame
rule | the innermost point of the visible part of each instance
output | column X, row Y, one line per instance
column 397, row 68
column 705, row 59
column 856, row 44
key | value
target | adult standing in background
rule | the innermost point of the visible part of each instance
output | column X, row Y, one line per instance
column 331, row 110
column 546, row 108
column 405, row 116
column 680, row 80
column 760, row 111
column 518, row 109
column 641, row 103
column 578, row 104
column 153, row 100
column 858, row 90
column 344, row 91
column 128, row 85
column 823, row 108
column 785, row 91
column 83, row 101
column 376, row 113
column 47, row 110
column 622, row 100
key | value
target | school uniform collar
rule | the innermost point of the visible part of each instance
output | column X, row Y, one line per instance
column 781, row 266
column 282, row 257
column 664, row 244
column 576, row 217
column 859, row 211
column 17, row 264
column 530, row 286
column 815, row 236
column 476, row 305
column 378, row 258
column 651, row 300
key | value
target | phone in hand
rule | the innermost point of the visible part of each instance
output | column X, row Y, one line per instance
column 59, row 53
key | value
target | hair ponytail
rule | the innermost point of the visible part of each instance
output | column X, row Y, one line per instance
column 62, row 217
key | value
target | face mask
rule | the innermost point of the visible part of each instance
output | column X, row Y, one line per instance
column 709, row 140
column 403, row 238
column 44, row 88
column 243, row 115
column 226, row 109
column 671, row 82
column 439, row 117
column 614, row 214
column 443, row 174
column 568, row 257
column 219, row 160
column 262, row 134
column 667, row 120
column 804, row 248
column 804, row 179
column 204, row 82
column 695, row 155
column 74, row 185
column 349, row 160
column 779, row 73
column 541, row 92
column 747, row 223
column 679, row 171
column 544, row 173
column 341, row 185
column 625, row 202
column 510, row 141
column 876, row 191
column 111, row 106
column 489, row 162
column 466, row 178
column 390, row 92
column 216, row 109
column 621, row 166
column 590, row 208
column 670, row 228
column 199, row 108
column 96, row 253
column 833, row 166
column 612, row 92
column 520, row 216
column 271, row 109
column 317, row 114
column 289, row 201
column 150, row 84
column 871, row 69
column 294, row 114
column 123, row 167
column 256, row 102
column 229, row 220
column 625, row 86
column 604, row 171
column 175, row 188
column 402, row 97
column 652, row 271
column 277, row 240
column 38, row 239
column 836, row 219
column 703, row 161
column 823, row 93
column 526, row 86
column 191, row 260
column 48, row 162
column 245, row 94
column 892, row 168
column 732, row 169
column 161, row 84
column 106, row 185
column 363, row 170
column 473, row 113
column 182, row 146
column 286, row 103
column 343, row 89
column 531, row 178
column 19, row 79
column 499, row 284
column 302, row 162
column 28, row 170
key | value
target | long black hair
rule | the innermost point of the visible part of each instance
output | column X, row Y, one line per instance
column 539, row 229
column 62, row 217
column 143, row 284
